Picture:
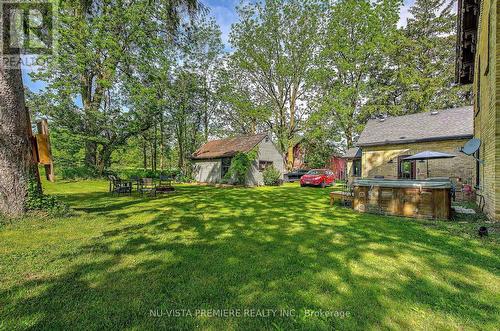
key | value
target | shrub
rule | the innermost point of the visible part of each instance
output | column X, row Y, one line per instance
column 79, row 173
column 37, row 201
column 240, row 165
column 272, row 177
column 47, row 203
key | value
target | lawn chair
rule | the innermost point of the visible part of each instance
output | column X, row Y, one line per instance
column 165, row 184
column 118, row 186
column 137, row 181
column 147, row 186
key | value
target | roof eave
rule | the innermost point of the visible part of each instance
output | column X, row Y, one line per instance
column 212, row 157
column 264, row 135
column 410, row 141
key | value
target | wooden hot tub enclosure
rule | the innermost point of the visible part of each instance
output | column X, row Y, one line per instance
column 409, row 198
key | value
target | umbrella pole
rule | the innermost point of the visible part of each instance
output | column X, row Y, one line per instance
column 427, row 169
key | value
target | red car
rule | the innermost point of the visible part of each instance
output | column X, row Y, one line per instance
column 318, row 177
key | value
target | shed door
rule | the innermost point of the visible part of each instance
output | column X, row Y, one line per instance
column 225, row 164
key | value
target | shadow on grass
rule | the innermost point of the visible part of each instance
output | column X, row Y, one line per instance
column 280, row 248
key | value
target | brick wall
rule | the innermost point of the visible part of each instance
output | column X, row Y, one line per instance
column 376, row 160
column 486, row 106
column 495, row 54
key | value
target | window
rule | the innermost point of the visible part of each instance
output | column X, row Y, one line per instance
column 316, row 172
column 487, row 69
column 265, row 164
column 356, row 168
column 225, row 164
column 406, row 169
column 478, row 165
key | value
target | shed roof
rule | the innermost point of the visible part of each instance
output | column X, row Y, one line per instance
column 353, row 153
column 228, row 147
column 455, row 123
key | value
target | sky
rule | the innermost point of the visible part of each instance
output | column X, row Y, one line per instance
column 224, row 11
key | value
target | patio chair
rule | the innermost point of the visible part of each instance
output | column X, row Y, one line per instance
column 148, row 186
column 165, row 184
column 137, row 181
column 118, row 186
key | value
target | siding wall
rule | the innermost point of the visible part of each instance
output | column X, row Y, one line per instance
column 267, row 152
column 349, row 170
column 207, row 171
column 375, row 160
column 487, row 109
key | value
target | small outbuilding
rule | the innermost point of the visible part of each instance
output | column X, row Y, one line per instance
column 213, row 159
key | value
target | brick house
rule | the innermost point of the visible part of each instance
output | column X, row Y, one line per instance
column 478, row 56
column 383, row 145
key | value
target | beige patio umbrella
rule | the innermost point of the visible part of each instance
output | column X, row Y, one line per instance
column 429, row 155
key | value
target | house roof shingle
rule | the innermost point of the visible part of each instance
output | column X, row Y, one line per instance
column 353, row 153
column 456, row 123
column 227, row 147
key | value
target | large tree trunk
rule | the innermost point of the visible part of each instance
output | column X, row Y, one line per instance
column 205, row 114
column 144, row 155
column 154, row 150
column 348, row 137
column 90, row 154
column 162, row 142
column 15, row 145
column 104, row 162
column 293, row 102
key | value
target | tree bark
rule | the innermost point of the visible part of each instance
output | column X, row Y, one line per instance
column 15, row 145
column 105, row 158
column 144, row 155
column 162, row 142
column 293, row 100
column 154, row 156
column 90, row 154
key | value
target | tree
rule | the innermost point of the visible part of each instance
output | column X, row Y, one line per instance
column 15, row 151
column 202, row 51
column 173, row 87
column 98, row 41
column 17, row 166
column 427, row 66
column 275, row 46
column 239, row 109
column 322, row 139
column 356, row 39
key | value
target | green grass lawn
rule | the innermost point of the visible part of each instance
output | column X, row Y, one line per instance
column 267, row 251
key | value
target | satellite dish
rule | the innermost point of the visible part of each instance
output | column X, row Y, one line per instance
column 471, row 146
